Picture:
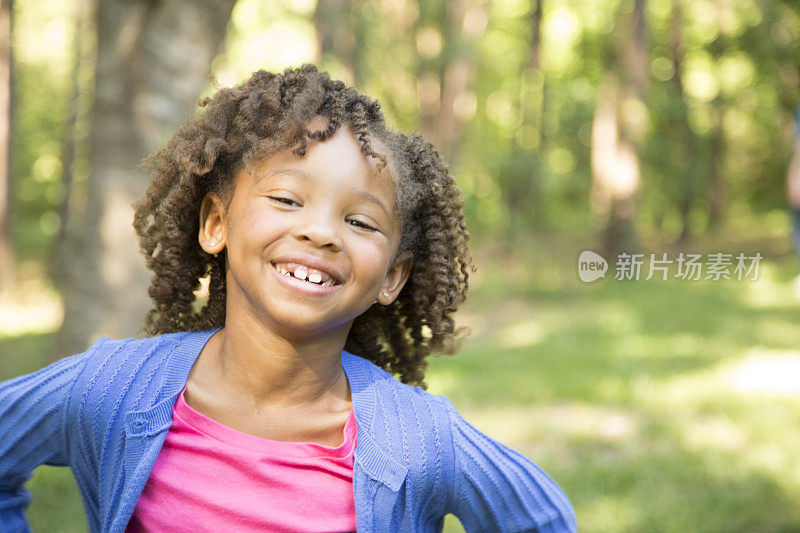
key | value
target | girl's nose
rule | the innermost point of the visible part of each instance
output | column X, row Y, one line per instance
column 318, row 232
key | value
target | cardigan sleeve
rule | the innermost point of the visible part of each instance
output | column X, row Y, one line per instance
column 32, row 418
column 496, row 488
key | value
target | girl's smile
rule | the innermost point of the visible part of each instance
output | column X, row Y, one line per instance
column 297, row 275
column 310, row 239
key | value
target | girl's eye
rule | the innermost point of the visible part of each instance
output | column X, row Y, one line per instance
column 362, row 225
column 286, row 201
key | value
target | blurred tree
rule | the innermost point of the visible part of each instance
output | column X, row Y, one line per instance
column 83, row 59
column 618, row 129
column 445, row 39
column 152, row 61
column 340, row 35
column 523, row 181
column 462, row 27
column 715, row 188
column 6, row 247
column 686, row 136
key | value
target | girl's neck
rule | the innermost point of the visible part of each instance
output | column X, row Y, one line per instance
column 253, row 365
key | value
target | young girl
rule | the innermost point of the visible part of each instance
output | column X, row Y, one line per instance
column 336, row 253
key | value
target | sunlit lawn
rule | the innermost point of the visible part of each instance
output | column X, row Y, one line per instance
column 658, row 406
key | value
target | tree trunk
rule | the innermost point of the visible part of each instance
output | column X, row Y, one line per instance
column 615, row 169
column 716, row 182
column 82, row 56
column 429, row 79
column 458, row 72
column 152, row 61
column 689, row 137
column 340, row 35
column 6, row 247
column 616, row 135
column 445, row 80
column 524, row 174
column 716, row 190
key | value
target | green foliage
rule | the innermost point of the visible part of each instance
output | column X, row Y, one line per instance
column 524, row 160
column 42, row 65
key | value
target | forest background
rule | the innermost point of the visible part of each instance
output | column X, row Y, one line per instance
column 617, row 126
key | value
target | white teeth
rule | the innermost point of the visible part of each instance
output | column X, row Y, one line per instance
column 302, row 274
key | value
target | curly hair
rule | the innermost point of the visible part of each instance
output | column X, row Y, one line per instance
column 238, row 126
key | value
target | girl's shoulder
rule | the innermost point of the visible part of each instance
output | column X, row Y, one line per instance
column 362, row 372
column 387, row 400
column 108, row 357
column 120, row 376
column 116, row 366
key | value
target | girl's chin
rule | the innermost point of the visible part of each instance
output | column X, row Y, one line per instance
column 298, row 320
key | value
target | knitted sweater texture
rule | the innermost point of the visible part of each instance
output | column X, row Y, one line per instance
column 105, row 413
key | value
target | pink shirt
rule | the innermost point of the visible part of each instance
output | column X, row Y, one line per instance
column 209, row 477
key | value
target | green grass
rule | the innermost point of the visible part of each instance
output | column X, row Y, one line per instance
column 657, row 406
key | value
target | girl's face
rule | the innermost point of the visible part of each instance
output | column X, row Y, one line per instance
column 309, row 239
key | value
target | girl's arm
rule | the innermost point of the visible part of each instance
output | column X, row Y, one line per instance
column 497, row 488
column 32, row 420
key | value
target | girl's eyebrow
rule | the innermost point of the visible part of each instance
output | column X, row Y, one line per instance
column 366, row 195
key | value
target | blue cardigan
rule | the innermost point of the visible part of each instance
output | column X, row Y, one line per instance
column 105, row 413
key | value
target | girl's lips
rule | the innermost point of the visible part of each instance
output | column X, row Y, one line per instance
column 303, row 287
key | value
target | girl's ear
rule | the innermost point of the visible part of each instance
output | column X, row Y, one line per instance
column 396, row 278
column 212, row 224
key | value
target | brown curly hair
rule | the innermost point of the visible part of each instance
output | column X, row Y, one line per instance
column 240, row 125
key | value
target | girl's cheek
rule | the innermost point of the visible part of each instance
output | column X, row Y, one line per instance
column 263, row 221
column 368, row 243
